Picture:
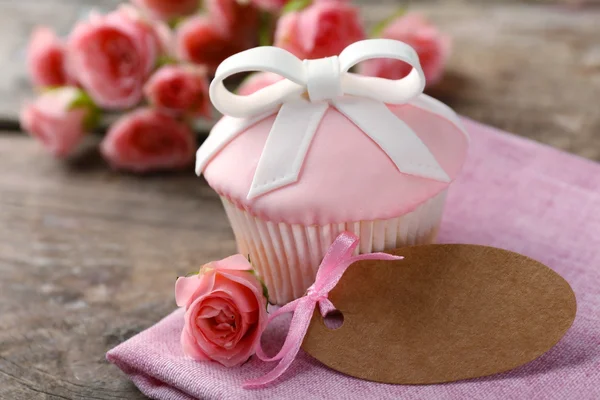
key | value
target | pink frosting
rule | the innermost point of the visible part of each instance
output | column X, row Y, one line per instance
column 345, row 177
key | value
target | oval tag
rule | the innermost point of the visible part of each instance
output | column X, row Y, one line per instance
column 444, row 313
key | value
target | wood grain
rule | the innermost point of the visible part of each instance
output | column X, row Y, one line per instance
column 88, row 259
column 529, row 68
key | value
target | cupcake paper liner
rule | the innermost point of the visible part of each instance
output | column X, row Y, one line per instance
column 287, row 256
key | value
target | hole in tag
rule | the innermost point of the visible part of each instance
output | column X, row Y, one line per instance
column 334, row 320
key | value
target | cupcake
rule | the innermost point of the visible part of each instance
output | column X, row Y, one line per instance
column 325, row 151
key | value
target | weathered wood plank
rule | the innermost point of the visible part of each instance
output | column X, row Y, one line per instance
column 530, row 68
column 88, row 259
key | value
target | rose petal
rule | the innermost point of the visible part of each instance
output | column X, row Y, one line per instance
column 205, row 337
column 189, row 288
column 236, row 262
column 190, row 347
column 247, row 279
column 244, row 297
column 185, row 287
column 244, row 349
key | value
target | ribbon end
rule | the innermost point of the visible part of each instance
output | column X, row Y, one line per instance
column 258, row 189
column 438, row 174
column 434, row 172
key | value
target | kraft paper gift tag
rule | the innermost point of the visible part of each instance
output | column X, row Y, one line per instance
column 443, row 313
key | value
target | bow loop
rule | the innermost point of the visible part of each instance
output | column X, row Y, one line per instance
column 262, row 59
column 323, row 79
column 388, row 91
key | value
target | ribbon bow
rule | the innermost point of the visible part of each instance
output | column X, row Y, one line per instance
column 336, row 261
column 326, row 82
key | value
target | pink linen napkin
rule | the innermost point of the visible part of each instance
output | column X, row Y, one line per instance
column 514, row 194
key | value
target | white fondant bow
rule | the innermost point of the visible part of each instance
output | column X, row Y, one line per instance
column 327, row 82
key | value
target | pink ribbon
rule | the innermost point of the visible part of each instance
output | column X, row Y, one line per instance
column 336, row 261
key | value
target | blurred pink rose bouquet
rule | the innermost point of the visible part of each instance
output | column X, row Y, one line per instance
column 152, row 60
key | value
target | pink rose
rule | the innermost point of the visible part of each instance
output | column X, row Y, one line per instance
column 432, row 47
column 46, row 58
column 236, row 20
column 111, row 56
column 58, row 118
column 148, row 140
column 256, row 82
column 323, row 29
column 200, row 41
column 168, row 9
column 160, row 29
column 180, row 89
column 225, row 312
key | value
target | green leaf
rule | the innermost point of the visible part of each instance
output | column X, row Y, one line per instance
column 381, row 25
column 266, row 29
column 174, row 22
column 193, row 273
column 265, row 290
column 92, row 120
column 82, row 100
column 264, row 287
column 295, row 5
column 93, row 116
column 165, row 59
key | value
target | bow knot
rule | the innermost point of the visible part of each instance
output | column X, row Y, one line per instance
column 321, row 299
column 336, row 261
column 313, row 294
column 323, row 79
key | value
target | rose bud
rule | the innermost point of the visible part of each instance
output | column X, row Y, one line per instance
column 179, row 90
column 148, row 140
column 59, row 118
column 112, row 56
column 168, row 9
column 432, row 47
column 46, row 58
column 322, row 29
column 200, row 41
column 238, row 21
column 225, row 311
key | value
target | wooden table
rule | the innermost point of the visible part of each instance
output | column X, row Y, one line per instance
column 88, row 257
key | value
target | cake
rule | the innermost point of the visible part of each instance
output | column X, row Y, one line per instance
column 299, row 162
